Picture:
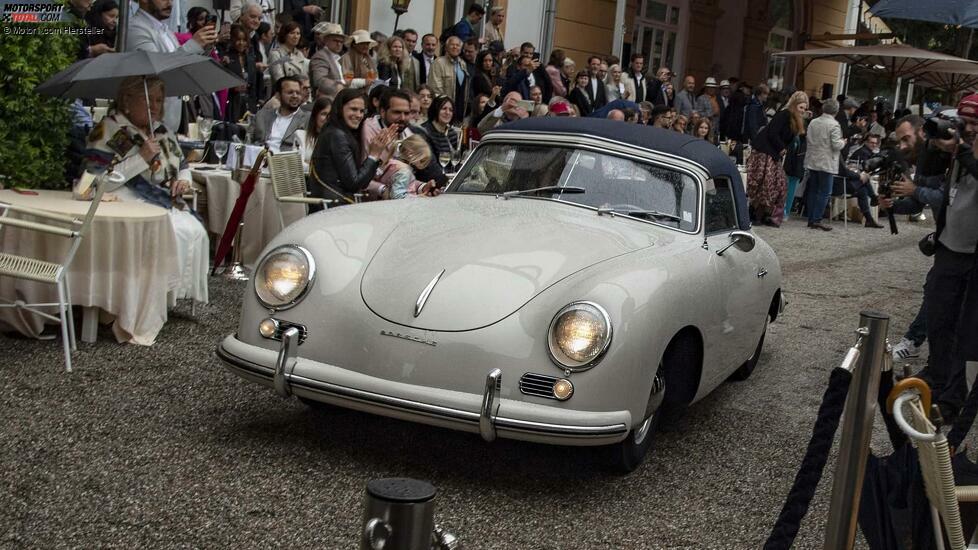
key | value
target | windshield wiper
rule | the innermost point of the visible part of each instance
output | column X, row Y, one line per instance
column 549, row 188
column 653, row 214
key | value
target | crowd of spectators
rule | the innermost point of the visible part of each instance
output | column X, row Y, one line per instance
column 451, row 89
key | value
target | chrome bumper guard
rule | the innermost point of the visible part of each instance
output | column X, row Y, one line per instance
column 487, row 420
column 487, row 416
column 286, row 362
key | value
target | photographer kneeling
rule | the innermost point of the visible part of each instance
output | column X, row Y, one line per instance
column 951, row 290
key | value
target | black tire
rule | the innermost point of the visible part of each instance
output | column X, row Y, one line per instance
column 318, row 406
column 744, row 371
column 631, row 452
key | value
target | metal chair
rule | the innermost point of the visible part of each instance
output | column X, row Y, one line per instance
column 44, row 271
column 191, row 198
column 913, row 394
column 289, row 181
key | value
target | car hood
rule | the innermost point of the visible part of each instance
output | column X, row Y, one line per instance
column 494, row 256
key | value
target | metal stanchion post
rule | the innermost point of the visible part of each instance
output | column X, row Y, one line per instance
column 857, row 428
column 237, row 271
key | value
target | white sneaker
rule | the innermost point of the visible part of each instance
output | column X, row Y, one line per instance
column 905, row 349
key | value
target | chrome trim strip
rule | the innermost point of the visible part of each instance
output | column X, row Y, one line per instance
column 487, row 417
column 419, row 305
column 285, row 362
column 434, row 411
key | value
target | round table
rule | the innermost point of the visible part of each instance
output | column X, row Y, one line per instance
column 124, row 267
column 261, row 220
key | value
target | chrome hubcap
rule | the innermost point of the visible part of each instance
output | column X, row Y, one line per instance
column 643, row 430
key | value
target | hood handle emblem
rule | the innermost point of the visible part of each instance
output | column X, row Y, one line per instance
column 419, row 305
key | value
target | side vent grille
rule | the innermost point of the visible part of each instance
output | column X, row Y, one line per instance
column 538, row 385
column 285, row 325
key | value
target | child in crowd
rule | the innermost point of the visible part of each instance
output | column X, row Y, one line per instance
column 412, row 154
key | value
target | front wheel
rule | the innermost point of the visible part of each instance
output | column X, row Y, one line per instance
column 630, row 453
column 744, row 371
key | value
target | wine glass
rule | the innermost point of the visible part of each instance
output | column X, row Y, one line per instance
column 220, row 149
column 444, row 159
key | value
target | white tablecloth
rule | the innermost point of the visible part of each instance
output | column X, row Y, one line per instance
column 125, row 265
column 261, row 221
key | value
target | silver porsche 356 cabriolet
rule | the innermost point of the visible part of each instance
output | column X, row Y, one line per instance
column 578, row 280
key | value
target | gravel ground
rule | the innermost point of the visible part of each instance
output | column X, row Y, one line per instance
column 161, row 447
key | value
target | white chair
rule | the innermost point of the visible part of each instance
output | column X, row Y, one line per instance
column 44, row 271
column 289, row 181
column 913, row 395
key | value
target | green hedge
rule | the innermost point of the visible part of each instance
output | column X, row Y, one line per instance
column 33, row 128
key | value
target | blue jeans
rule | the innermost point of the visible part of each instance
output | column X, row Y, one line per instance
column 917, row 332
column 817, row 194
column 790, row 197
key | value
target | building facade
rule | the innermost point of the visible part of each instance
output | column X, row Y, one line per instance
column 719, row 38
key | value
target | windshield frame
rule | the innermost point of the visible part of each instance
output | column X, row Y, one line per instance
column 693, row 170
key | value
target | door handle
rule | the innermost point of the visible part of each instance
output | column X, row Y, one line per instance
column 761, row 273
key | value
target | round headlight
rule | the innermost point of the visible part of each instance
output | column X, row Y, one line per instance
column 579, row 335
column 283, row 276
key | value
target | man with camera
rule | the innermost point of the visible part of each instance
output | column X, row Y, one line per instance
column 951, row 289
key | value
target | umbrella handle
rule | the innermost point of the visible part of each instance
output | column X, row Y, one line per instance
column 909, row 384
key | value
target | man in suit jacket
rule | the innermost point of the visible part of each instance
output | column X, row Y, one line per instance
column 657, row 93
column 148, row 32
column 644, row 91
column 596, row 90
column 324, row 66
column 426, row 57
column 277, row 128
column 450, row 77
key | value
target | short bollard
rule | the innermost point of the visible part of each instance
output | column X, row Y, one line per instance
column 399, row 514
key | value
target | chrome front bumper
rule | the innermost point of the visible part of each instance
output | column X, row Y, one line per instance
column 490, row 415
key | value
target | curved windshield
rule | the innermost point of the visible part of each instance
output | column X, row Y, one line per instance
column 589, row 178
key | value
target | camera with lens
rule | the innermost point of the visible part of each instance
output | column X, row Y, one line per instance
column 939, row 127
column 890, row 165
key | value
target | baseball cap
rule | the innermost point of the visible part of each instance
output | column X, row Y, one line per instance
column 560, row 108
column 968, row 106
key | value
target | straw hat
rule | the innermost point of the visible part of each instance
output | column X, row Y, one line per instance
column 328, row 29
column 710, row 82
column 361, row 36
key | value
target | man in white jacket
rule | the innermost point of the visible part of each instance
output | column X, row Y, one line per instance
column 825, row 141
column 148, row 32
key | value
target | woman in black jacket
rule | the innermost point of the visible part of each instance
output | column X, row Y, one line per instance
column 240, row 60
column 484, row 82
column 335, row 172
column 579, row 97
column 766, row 178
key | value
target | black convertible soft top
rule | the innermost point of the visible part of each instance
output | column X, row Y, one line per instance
column 669, row 142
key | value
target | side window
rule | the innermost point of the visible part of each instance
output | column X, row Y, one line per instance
column 721, row 214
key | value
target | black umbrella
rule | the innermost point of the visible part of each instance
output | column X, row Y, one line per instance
column 181, row 73
column 962, row 13
column 99, row 77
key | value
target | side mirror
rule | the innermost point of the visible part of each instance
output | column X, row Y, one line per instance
column 743, row 240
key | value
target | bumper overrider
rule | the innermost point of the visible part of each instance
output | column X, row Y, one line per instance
column 488, row 414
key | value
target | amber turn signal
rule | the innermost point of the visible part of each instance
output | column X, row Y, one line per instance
column 563, row 389
column 267, row 328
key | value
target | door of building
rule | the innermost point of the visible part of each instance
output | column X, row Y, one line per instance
column 656, row 33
